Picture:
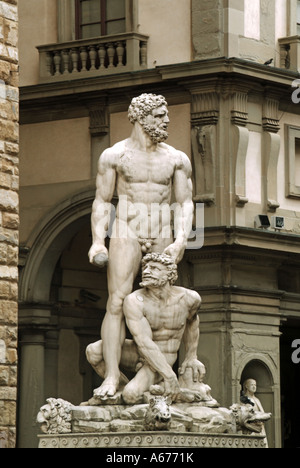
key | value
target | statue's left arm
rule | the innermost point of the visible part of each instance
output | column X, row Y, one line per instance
column 191, row 339
column 183, row 219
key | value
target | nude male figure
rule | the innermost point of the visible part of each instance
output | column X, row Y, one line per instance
column 159, row 316
column 143, row 170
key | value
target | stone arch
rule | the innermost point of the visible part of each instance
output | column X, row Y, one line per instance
column 259, row 371
column 262, row 368
column 46, row 243
column 263, row 362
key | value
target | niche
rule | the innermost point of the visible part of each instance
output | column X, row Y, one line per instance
column 258, row 370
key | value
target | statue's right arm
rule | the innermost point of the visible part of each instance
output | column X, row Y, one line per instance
column 101, row 211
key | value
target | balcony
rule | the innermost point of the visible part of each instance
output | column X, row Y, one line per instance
column 93, row 57
column 290, row 53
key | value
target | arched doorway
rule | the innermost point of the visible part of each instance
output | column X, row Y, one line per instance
column 62, row 303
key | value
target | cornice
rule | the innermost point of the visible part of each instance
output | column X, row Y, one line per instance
column 255, row 241
column 183, row 72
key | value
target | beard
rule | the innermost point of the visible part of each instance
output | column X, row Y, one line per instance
column 157, row 135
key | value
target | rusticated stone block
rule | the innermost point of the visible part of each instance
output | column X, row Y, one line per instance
column 9, row 219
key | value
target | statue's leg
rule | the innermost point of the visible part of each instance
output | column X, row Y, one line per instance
column 129, row 359
column 94, row 355
column 141, row 383
column 124, row 263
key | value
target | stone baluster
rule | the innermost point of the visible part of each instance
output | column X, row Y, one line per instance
column 57, row 62
column 75, row 60
column 120, row 53
column 93, row 57
column 102, row 55
column 111, row 54
column 83, row 57
column 66, row 59
column 49, row 62
column 143, row 54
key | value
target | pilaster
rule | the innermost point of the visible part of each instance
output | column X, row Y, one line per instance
column 34, row 324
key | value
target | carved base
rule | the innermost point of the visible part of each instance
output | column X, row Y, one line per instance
column 151, row 440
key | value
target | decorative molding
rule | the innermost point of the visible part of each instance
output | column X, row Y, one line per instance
column 240, row 142
column 271, row 149
column 99, row 125
column 239, row 112
column 151, row 439
column 205, row 108
column 270, row 118
column 203, row 158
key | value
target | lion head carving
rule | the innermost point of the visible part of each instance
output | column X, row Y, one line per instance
column 55, row 417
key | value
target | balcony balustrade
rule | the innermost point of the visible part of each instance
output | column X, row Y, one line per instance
column 290, row 53
column 93, row 57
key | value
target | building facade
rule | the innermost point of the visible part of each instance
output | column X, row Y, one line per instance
column 9, row 220
column 234, row 112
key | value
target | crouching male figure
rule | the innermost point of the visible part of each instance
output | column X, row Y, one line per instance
column 159, row 316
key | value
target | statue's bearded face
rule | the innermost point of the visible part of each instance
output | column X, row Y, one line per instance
column 156, row 124
column 154, row 275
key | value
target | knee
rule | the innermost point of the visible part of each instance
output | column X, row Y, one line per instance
column 115, row 304
column 130, row 395
column 94, row 354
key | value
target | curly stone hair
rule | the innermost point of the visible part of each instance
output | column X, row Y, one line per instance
column 143, row 105
column 164, row 260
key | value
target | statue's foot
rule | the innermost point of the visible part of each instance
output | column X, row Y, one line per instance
column 108, row 389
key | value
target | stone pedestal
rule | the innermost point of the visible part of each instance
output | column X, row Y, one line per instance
column 120, row 426
column 151, row 440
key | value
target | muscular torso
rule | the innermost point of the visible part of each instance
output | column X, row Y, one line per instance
column 144, row 184
column 167, row 320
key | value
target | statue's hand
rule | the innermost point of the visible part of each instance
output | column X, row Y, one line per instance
column 172, row 387
column 99, row 256
column 176, row 251
column 197, row 367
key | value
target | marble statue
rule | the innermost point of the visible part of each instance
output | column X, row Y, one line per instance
column 159, row 316
column 248, row 395
column 145, row 172
column 147, row 175
column 248, row 398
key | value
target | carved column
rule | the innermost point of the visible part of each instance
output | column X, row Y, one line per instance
column 34, row 323
column 270, row 151
column 31, row 385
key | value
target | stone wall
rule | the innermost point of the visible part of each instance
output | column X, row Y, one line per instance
column 9, row 219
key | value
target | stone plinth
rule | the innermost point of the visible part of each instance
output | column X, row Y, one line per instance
column 150, row 440
column 121, row 426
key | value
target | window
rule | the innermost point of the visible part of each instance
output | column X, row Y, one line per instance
column 99, row 18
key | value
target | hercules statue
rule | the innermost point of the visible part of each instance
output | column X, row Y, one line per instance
column 144, row 171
